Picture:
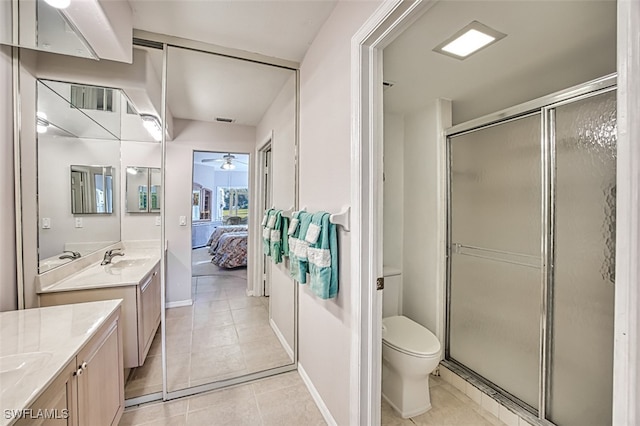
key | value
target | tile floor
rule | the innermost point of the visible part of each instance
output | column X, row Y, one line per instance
column 449, row 406
column 223, row 334
column 280, row 401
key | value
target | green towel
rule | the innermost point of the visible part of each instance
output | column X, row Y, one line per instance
column 322, row 254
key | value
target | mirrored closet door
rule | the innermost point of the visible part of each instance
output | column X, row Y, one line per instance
column 221, row 328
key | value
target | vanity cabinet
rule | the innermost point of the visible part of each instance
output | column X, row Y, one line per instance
column 149, row 311
column 141, row 310
column 90, row 388
column 59, row 400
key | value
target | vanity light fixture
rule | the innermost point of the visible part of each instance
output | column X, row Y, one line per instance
column 152, row 124
column 41, row 122
column 58, row 4
column 469, row 40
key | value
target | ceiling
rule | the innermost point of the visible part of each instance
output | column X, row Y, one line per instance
column 550, row 45
column 278, row 28
column 204, row 87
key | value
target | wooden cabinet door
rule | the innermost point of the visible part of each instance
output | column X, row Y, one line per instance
column 149, row 311
column 101, row 383
column 57, row 404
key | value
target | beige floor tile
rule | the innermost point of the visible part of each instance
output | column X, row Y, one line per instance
column 235, row 292
column 179, row 325
column 217, row 294
column 253, row 315
column 210, row 319
column 236, row 413
column 209, row 338
column 153, row 412
column 291, row 405
column 245, row 302
column 212, row 364
column 252, row 332
column 239, row 395
column 182, row 311
column 211, row 306
column 281, row 381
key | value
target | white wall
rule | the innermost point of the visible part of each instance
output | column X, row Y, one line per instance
column 393, row 190
column 325, row 159
column 8, row 285
column 279, row 123
column 138, row 226
column 422, row 261
column 193, row 136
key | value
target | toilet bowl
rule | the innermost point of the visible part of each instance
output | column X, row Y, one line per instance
column 410, row 353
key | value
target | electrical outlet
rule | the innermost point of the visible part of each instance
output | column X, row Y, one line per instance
column 183, row 221
column 158, row 221
column 46, row 223
column 79, row 222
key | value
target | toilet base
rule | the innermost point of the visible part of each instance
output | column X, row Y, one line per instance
column 409, row 396
column 415, row 413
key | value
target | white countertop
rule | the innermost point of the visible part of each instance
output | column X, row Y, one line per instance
column 125, row 270
column 44, row 340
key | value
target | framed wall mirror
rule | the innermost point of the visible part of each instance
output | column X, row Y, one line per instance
column 143, row 189
column 91, row 189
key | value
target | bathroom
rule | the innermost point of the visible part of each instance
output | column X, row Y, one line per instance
column 427, row 209
column 324, row 80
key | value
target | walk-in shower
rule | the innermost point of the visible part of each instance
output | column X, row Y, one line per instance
column 531, row 253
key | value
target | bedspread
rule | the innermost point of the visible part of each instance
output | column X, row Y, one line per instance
column 221, row 230
column 231, row 250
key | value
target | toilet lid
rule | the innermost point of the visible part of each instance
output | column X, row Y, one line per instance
column 408, row 336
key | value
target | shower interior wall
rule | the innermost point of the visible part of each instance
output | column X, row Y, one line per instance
column 414, row 227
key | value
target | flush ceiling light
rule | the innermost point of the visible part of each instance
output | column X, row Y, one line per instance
column 132, row 171
column 59, row 4
column 152, row 124
column 469, row 40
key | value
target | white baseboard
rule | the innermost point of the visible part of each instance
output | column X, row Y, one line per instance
column 280, row 337
column 316, row 397
column 179, row 303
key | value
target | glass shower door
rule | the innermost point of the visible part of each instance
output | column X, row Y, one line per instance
column 495, row 254
column 581, row 352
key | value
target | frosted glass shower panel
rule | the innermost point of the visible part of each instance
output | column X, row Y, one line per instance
column 496, row 187
column 582, row 350
column 495, row 225
column 495, row 318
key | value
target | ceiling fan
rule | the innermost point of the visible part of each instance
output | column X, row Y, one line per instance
column 228, row 161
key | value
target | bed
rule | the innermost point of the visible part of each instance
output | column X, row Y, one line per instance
column 230, row 250
column 221, row 230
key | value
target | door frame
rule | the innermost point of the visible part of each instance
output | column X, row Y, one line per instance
column 261, row 151
column 387, row 22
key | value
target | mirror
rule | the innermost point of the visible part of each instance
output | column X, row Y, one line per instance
column 222, row 320
column 77, row 204
column 143, row 190
column 91, row 189
column 43, row 27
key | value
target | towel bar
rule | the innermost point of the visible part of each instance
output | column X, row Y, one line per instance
column 342, row 219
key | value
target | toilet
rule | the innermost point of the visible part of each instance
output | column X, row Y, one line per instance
column 410, row 353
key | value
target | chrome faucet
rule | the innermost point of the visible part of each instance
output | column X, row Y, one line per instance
column 71, row 255
column 109, row 254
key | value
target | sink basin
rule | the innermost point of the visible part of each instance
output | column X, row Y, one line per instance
column 14, row 367
column 127, row 263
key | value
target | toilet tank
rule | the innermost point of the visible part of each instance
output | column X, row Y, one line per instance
column 392, row 295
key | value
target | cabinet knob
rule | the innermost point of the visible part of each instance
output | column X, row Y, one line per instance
column 79, row 372
column 84, row 365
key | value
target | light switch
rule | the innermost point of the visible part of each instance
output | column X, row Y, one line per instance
column 46, row 223
column 79, row 222
column 158, row 221
column 183, row 221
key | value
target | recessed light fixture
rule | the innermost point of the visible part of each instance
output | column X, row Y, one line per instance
column 469, row 40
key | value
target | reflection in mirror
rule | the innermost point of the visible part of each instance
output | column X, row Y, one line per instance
column 91, row 189
column 43, row 27
column 70, row 195
column 220, row 323
column 137, row 189
column 143, row 190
